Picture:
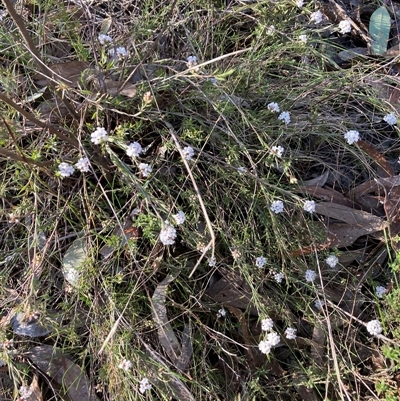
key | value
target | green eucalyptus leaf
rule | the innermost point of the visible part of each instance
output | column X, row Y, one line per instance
column 379, row 29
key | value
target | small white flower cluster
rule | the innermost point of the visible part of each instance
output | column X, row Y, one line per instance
column 180, row 217
column 103, row 39
column 309, row 206
column 310, row 275
column 345, row 26
column 145, row 385
column 212, row 262
column 221, row 313
column 99, row 136
column 300, row 3
column 380, row 291
column 118, row 53
column 291, row 333
column 191, row 61
column 267, row 324
column 168, row 234
column 65, row 169
column 261, row 262
column 374, row 327
column 125, row 364
column 285, row 117
column 274, row 107
column 83, row 164
column 241, row 170
column 272, row 339
column 390, row 119
column 319, row 303
column 278, row 277
column 277, row 151
column 332, row 261
column 188, row 152
column 25, row 392
column 277, row 206
column 316, row 17
column 352, row 136
column 145, row 169
column 134, row 149
column 303, row 38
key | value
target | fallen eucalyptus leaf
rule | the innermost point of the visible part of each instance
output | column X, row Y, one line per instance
column 53, row 363
column 379, row 29
column 28, row 326
column 73, row 261
column 179, row 355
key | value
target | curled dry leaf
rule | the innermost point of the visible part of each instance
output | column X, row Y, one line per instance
column 53, row 363
column 168, row 381
column 179, row 355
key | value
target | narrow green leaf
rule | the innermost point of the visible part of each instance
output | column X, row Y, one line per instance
column 379, row 29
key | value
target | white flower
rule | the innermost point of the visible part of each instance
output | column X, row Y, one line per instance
column 221, row 313
column 310, row 275
column 332, row 261
column 134, row 149
column 380, row 291
column 125, row 365
column 300, row 3
column 25, row 392
column 212, row 261
column 99, row 136
column 273, row 338
column 145, row 169
column 316, row 17
column 309, row 206
column 241, row 170
column 278, row 277
column 352, row 136
column 65, row 169
column 83, row 165
column 119, row 52
column 277, row 206
column 144, row 385
column 168, row 234
column 180, row 217
column 303, row 38
column 274, row 107
column 277, row 151
column 264, row 347
column 267, row 324
column 103, row 39
column 291, row 333
column 374, row 327
column 390, row 119
column 188, row 152
column 319, row 303
column 345, row 26
column 261, row 261
column 285, row 117
column 191, row 61
column 270, row 30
